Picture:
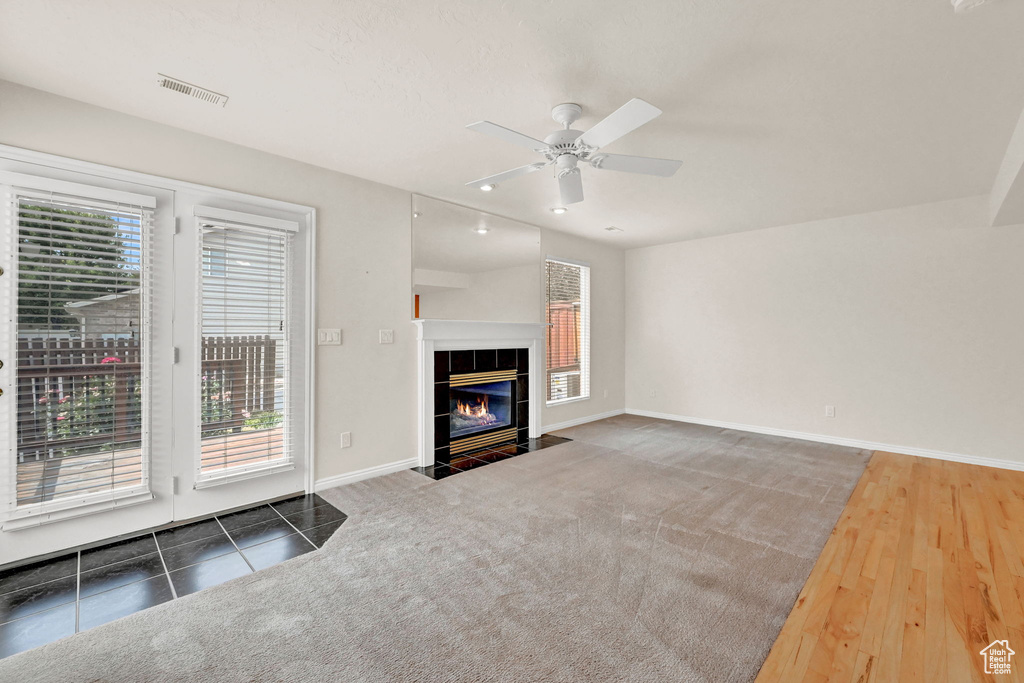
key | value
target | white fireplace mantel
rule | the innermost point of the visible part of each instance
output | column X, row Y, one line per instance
column 458, row 335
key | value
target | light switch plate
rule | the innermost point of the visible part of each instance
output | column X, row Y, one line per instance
column 387, row 336
column 328, row 337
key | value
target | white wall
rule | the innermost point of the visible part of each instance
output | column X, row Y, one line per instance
column 910, row 322
column 363, row 263
column 505, row 295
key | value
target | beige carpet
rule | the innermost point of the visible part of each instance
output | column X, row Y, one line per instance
column 643, row 550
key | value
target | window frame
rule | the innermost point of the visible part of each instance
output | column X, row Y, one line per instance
column 585, row 335
column 13, row 186
column 227, row 219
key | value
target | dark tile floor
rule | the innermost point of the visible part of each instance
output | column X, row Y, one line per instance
column 485, row 456
column 44, row 601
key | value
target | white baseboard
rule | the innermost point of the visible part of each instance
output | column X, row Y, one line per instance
column 837, row 440
column 368, row 473
column 580, row 421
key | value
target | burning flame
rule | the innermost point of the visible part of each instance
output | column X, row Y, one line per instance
column 476, row 410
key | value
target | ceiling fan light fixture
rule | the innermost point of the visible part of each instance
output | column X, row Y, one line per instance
column 488, row 187
column 559, row 210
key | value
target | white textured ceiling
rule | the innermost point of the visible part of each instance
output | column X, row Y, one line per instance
column 784, row 111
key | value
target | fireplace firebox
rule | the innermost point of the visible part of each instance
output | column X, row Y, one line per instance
column 481, row 400
column 479, row 407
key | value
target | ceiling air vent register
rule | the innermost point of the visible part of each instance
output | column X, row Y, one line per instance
column 191, row 90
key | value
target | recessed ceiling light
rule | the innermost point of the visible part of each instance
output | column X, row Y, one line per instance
column 416, row 214
column 487, row 188
column 559, row 210
column 481, row 230
column 612, row 228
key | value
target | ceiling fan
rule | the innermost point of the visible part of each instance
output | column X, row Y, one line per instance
column 567, row 148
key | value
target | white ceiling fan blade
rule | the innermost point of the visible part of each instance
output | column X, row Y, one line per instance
column 646, row 165
column 508, row 175
column 626, row 118
column 508, row 135
column 570, row 185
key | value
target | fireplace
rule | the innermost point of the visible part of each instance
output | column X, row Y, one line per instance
column 476, row 386
column 480, row 400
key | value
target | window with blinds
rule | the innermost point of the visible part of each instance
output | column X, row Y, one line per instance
column 244, row 349
column 568, row 340
column 81, row 292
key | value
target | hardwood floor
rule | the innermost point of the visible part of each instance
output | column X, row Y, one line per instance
column 924, row 569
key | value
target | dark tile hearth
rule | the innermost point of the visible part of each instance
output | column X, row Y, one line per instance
column 47, row 600
column 486, row 456
column 481, row 397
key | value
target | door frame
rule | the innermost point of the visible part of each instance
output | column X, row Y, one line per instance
column 82, row 524
column 192, row 499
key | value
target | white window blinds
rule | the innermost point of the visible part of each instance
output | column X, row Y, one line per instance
column 244, row 349
column 568, row 341
column 82, row 338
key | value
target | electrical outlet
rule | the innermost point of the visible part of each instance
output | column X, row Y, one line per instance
column 606, row 393
column 654, row 393
column 387, row 336
column 346, row 439
column 830, row 411
column 328, row 337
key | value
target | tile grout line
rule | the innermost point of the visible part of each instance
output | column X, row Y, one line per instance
column 221, row 524
column 159, row 550
column 315, row 546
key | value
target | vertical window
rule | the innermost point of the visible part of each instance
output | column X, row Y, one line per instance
column 81, row 334
column 243, row 348
column 568, row 341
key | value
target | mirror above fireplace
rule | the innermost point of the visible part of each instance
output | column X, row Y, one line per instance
column 472, row 265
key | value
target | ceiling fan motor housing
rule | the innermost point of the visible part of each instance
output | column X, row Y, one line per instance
column 562, row 147
column 562, row 142
column 563, row 151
